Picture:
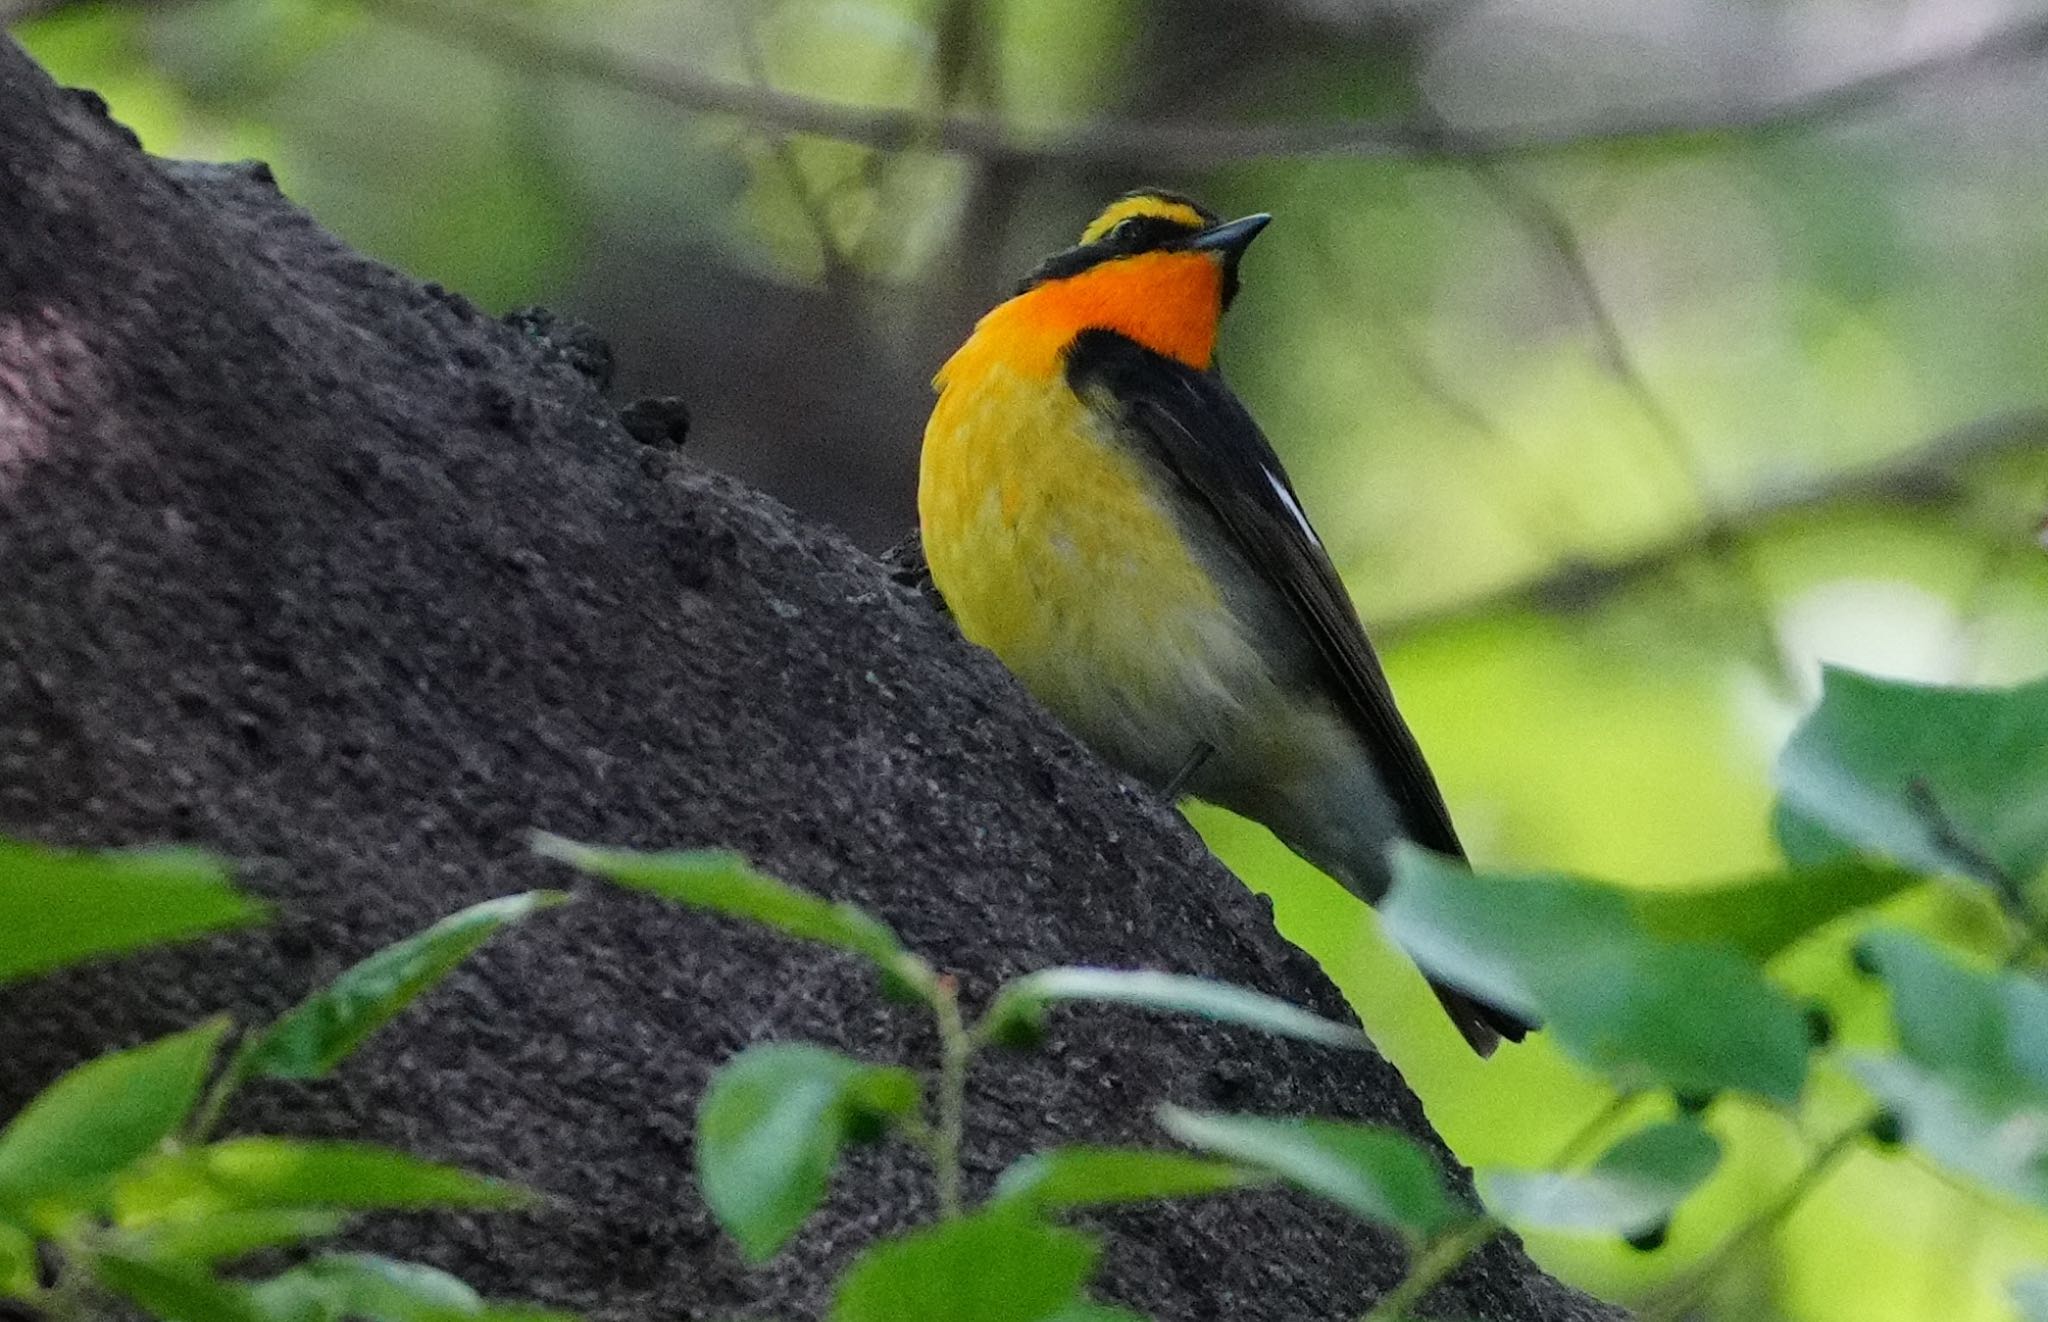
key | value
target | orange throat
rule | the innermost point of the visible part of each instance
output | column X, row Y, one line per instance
column 1169, row 302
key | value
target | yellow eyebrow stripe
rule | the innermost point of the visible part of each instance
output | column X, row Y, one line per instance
column 1180, row 212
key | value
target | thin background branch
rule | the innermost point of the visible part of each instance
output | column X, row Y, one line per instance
column 501, row 34
column 1719, row 533
column 1187, row 146
column 838, row 268
column 1925, row 475
column 1542, row 522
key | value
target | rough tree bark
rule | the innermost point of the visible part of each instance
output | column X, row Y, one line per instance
column 316, row 566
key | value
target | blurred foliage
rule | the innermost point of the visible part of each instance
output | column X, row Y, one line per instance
column 1667, row 995
column 115, row 1193
column 1615, row 441
column 774, row 1119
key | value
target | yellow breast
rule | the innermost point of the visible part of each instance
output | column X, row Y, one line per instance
column 1053, row 551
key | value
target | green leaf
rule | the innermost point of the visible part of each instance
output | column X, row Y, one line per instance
column 58, row 907
column 1024, row 1001
column 1634, row 1187
column 990, row 1267
column 1972, row 1023
column 2001, row 1143
column 1499, row 936
column 1574, row 954
column 323, row 1029
column 104, row 1115
column 1763, row 915
column 1092, row 1176
column 175, row 1294
column 770, row 1129
column 725, row 883
column 362, row 1285
column 1087, row 1312
column 249, row 1174
column 1689, row 1018
column 1938, row 779
column 1970, row 1081
column 1368, row 1170
column 224, row 1236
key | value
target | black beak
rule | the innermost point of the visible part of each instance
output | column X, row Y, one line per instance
column 1232, row 237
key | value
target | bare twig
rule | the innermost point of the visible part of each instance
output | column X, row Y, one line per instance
column 1973, row 860
column 1950, row 839
column 1926, row 474
column 1676, row 1299
column 1437, row 1260
column 1551, row 231
column 962, row 73
column 836, row 267
column 1180, row 146
column 1583, row 1139
column 956, row 1047
column 1543, row 523
column 1554, row 234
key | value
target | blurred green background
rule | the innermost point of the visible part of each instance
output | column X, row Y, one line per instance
column 1634, row 357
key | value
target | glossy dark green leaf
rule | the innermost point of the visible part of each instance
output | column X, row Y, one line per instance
column 770, row 1129
column 248, row 1174
column 58, row 907
column 725, row 883
column 1576, row 956
column 324, row 1028
column 104, row 1115
column 176, row 1294
column 1024, row 1001
column 1635, row 1186
column 1370, row 1171
column 991, row 1267
column 1937, row 779
column 1091, row 1176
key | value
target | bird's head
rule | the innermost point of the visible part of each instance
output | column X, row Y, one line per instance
column 1154, row 266
column 1169, row 236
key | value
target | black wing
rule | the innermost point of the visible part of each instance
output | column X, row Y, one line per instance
column 1198, row 431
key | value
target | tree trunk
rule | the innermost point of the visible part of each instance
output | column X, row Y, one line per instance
column 309, row 564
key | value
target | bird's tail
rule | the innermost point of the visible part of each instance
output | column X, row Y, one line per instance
column 1482, row 1025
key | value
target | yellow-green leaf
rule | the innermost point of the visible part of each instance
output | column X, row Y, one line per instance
column 104, row 1115
column 59, row 906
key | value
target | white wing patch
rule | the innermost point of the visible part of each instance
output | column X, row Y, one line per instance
column 1287, row 499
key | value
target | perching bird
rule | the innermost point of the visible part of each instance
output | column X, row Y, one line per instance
column 1099, row 510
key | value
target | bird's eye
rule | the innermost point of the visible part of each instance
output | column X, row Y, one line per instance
column 1127, row 230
